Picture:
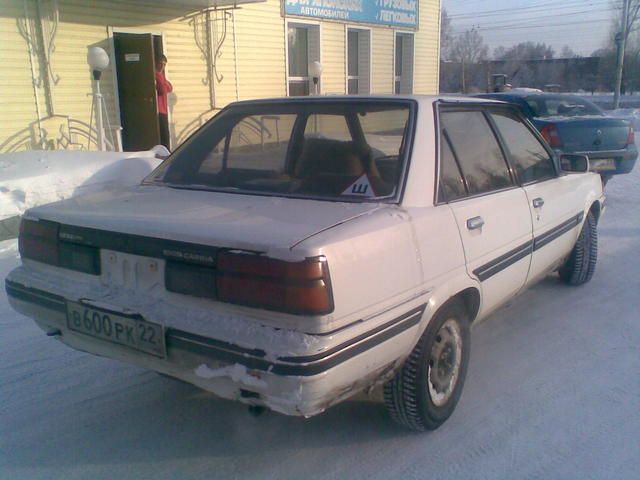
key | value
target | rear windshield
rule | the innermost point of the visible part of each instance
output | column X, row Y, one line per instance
column 348, row 150
column 561, row 106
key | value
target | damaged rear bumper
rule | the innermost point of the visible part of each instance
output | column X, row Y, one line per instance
column 335, row 367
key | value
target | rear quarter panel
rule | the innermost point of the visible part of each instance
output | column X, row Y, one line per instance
column 373, row 262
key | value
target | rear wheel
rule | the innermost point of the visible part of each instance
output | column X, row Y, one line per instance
column 426, row 390
column 581, row 264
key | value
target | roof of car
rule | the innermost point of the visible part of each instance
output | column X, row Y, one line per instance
column 523, row 94
column 329, row 98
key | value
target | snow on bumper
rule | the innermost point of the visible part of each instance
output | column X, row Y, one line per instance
column 329, row 368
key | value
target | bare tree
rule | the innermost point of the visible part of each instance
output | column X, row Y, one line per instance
column 567, row 52
column 623, row 28
column 468, row 48
column 632, row 17
column 525, row 51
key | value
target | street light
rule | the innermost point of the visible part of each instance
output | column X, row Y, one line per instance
column 98, row 61
column 315, row 70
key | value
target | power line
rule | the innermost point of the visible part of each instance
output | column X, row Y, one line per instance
column 522, row 21
column 519, row 27
column 547, row 6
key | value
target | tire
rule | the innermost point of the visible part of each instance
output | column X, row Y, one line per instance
column 581, row 264
column 411, row 397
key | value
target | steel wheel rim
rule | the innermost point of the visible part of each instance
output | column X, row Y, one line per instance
column 443, row 364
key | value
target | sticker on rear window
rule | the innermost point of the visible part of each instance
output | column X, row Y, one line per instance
column 361, row 187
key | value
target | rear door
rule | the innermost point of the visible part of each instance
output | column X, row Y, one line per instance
column 555, row 202
column 491, row 211
column 137, row 90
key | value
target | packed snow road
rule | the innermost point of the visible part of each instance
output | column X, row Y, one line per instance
column 553, row 391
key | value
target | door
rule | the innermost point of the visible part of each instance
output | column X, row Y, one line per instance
column 135, row 68
column 491, row 211
column 554, row 201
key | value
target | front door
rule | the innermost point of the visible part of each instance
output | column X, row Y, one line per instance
column 552, row 199
column 135, row 68
column 491, row 211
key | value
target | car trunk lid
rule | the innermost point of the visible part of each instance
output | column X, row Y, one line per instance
column 590, row 134
column 225, row 220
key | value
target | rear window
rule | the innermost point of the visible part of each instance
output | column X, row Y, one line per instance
column 561, row 106
column 341, row 150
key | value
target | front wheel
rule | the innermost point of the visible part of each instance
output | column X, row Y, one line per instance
column 426, row 390
column 581, row 264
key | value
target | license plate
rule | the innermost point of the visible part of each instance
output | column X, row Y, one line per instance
column 603, row 164
column 129, row 330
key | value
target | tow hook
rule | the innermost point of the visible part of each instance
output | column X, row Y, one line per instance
column 54, row 332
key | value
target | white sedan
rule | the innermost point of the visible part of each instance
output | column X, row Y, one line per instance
column 295, row 252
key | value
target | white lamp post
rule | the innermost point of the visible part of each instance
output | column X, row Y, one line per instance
column 315, row 70
column 98, row 60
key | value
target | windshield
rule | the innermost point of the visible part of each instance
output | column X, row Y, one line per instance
column 349, row 150
column 561, row 106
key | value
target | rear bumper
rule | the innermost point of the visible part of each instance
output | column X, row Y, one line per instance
column 334, row 367
column 624, row 160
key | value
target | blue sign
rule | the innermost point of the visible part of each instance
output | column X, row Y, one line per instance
column 397, row 13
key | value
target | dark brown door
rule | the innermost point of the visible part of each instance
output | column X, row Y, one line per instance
column 137, row 90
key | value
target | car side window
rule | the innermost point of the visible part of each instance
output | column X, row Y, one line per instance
column 476, row 148
column 451, row 182
column 529, row 158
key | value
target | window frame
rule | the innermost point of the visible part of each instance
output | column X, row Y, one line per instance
column 533, row 130
column 360, row 30
column 448, row 106
column 398, row 78
column 310, row 25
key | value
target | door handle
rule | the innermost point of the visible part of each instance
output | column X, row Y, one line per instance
column 538, row 202
column 475, row 223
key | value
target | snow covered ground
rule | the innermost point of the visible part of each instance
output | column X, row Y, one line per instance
column 553, row 391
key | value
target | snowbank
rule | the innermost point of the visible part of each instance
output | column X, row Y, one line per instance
column 32, row 178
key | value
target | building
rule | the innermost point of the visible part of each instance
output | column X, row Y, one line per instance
column 218, row 51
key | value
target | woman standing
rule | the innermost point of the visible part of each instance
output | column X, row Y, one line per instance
column 163, row 87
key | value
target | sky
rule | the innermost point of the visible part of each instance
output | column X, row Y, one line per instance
column 583, row 25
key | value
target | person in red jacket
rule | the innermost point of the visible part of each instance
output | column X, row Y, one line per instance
column 163, row 87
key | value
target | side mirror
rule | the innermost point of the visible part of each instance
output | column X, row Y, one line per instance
column 574, row 163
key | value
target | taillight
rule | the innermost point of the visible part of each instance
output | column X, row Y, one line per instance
column 631, row 138
column 551, row 135
column 39, row 241
column 293, row 287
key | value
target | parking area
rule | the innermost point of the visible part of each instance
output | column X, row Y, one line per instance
column 553, row 391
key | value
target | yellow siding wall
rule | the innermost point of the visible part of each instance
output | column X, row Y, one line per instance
column 333, row 54
column 382, row 61
column 258, row 62
column 81, row 27
column 17, row 98
column 427, row 49
column 261, row 50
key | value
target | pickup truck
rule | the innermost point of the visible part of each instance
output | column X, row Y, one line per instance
column 295, row 252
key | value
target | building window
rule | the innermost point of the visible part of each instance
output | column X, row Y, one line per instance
column 303, row 47
column 358, row 61
column 403, row 63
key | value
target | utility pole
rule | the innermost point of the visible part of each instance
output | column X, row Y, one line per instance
column 621, row 42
